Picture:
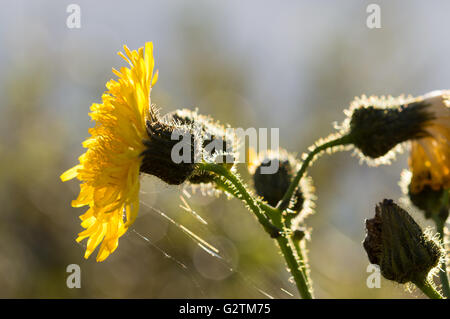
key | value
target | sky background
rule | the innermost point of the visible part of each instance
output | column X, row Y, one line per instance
column 294, row 65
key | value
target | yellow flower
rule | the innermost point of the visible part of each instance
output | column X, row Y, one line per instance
column 109, row 169
column 429, row 160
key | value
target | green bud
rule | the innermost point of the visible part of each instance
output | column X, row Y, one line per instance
column 218, row 146
column 271, row 187
column 375, row 131
column 157, row 160
column 396, row 243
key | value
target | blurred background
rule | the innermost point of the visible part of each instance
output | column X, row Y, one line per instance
column 294, row 65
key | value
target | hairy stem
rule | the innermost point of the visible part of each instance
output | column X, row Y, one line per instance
column 225, row 186
column 284, row 203
column 443, row 275
column 302, row 261
column 428, row 289
column 305, row 283
column 274, row 214
column 242, row 193
column 294, row 267
column 300, row 255
column 238, row 190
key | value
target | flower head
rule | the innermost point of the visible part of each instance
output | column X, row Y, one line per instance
column 433, row 204
column 429, row 160
column 109, row 169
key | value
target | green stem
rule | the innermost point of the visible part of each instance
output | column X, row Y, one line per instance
column 272, row 212
column 294, row 267
column 428, row 289
column 241, row 192
column 443, row 271
column 305, row 283
column 225, row 187
column 300, row 257
column 302, row 261
column 284, row 203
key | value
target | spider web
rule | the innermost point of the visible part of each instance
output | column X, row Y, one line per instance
column 190, row 271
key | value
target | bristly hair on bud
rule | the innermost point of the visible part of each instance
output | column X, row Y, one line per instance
column 396, row 243
column 271, row 187
column 378, row 126
column 218, row 144
column 157, row 157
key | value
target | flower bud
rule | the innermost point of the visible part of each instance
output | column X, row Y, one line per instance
column 157, row 157
column 272, row 187
column 375, row 131
column 397, row 244
column 429, row 160
column 217, row 145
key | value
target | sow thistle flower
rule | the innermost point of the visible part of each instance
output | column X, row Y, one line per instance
column 378, row 126
column 128, row 138
column 433, row 203
column 430, row 156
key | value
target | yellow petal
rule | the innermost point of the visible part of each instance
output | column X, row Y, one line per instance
column 155, row 78
column 70, row 173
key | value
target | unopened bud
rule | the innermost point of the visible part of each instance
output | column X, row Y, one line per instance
column 375, row 131
column 397, row 244
column 218, row 146
column 272, row 187
column 157, row 158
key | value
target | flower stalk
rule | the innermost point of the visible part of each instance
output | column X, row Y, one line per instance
column 343, row 140
column 241, row 193
column 300, row 254
column 428, row 289
column 233, row 185
column 302, row 261
column 443, row 275
column 294, row 267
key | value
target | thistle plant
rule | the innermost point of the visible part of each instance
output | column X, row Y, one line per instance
column 131, row 138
